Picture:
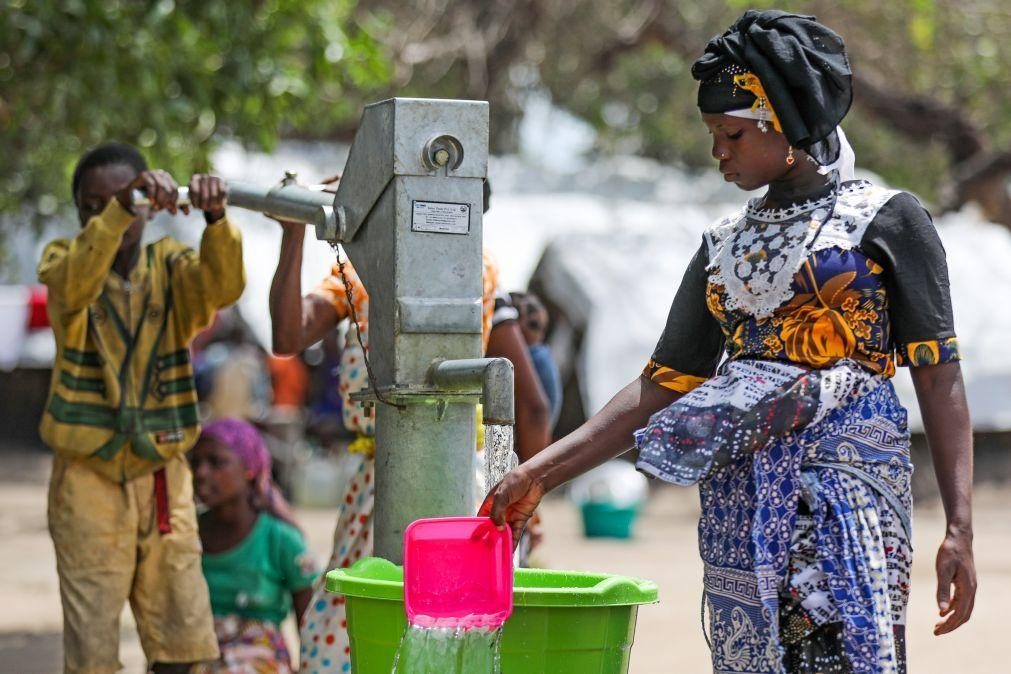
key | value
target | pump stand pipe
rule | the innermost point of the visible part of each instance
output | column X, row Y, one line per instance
column 493, row 375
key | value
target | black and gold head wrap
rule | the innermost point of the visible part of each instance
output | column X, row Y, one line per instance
column 789, row 65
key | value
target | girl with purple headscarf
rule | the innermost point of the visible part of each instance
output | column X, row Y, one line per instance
column 255, row 559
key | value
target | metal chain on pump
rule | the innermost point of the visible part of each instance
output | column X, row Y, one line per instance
column 349, row 292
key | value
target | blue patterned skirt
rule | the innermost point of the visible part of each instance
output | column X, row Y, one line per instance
column 806, row 540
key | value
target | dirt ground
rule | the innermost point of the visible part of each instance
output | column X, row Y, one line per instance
column 668, row 637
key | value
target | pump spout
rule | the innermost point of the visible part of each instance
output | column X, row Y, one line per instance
column 493, row 375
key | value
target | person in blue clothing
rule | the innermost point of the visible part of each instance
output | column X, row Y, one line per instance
column 255, row 559
column 534, row 323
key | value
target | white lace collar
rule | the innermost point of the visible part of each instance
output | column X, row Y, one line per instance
column 755, row 254
column 782, row 214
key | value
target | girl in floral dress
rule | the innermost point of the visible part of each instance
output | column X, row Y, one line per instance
column 770, row 385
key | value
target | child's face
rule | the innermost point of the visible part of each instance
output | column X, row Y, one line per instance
column 531, row 333
column 98, row 186
column 534, row 323
column 218, row 475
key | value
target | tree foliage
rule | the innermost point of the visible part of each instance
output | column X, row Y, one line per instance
column 169, row 76
column 932, row 111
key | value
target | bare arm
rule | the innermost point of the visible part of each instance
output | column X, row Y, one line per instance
column 941, row 395
column 533, row 415
column 300, row 602
column 296, row 322
column 607, row 434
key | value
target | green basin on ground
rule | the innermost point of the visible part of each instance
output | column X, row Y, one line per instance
column 562, row 621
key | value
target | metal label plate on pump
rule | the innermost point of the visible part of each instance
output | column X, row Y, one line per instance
column 440, row 217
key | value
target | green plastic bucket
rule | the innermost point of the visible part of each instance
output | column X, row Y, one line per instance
column 562, row 621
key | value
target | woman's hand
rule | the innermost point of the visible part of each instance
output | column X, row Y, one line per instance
column 208, row 193
column 513, row 501
column 607, row 434
column 955, row 567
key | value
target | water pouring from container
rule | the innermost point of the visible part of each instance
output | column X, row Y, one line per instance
column 458, row 592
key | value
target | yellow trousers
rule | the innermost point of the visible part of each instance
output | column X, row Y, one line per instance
column 110, row 549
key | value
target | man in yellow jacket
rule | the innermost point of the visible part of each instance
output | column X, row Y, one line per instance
column 122, row 411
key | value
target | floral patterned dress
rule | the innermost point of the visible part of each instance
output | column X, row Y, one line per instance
column 250, row 587
column 797, row 441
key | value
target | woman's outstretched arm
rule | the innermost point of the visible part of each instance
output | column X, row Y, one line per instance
column 607, row 434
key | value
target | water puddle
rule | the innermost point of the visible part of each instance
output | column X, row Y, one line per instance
column 448, row 650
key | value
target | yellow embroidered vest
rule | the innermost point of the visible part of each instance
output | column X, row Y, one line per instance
column 122, row 396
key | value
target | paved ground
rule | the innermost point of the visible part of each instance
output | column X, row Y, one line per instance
column 668, row 638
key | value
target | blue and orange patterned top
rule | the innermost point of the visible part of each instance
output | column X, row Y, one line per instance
column 861, row 276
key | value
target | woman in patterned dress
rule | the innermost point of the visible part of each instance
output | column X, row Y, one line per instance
column 301, row 321
column 810, row 296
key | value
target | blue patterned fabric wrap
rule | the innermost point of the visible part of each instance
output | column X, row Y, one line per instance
column 728, row 418
column 850, row 467
column 760, row 437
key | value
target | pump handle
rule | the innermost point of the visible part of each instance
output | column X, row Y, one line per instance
column 287, row 201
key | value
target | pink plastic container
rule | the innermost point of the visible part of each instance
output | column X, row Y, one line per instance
column 458, row 572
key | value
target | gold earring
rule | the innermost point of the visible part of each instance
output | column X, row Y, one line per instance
column 789, row 157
